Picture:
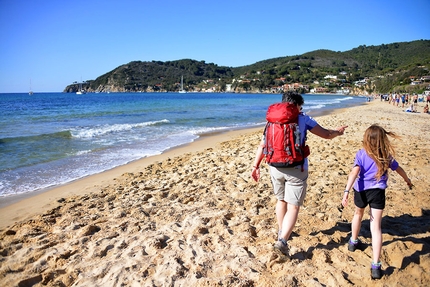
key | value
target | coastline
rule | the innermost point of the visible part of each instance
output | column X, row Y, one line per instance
column 93, row 145
column 194, row 217
column 19, row 207
column 22, row 206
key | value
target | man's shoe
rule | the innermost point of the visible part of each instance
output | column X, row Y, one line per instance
column 352, row 245
column 282, row 246
column 376, row 271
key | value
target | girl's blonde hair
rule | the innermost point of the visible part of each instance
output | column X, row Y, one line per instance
column 378, row 147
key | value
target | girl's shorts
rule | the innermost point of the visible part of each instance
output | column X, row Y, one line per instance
column 374, row 197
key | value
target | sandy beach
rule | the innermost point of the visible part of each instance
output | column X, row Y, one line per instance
column 193, row 217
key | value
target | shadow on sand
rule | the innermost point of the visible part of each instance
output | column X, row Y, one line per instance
column 404, row 227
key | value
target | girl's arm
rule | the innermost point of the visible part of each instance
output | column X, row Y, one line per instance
column 351, row 179
column 403, row 174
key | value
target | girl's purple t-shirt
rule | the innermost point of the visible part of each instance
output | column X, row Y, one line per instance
column 368, row 169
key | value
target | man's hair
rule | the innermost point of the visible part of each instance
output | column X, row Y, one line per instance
column 293, row 97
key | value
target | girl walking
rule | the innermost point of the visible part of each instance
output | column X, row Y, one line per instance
column 369, row 177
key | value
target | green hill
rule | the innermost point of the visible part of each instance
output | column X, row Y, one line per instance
column 385, row 67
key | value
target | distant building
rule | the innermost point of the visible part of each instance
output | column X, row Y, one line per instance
column 318, row 90
column 361, row 82
column 330, row 77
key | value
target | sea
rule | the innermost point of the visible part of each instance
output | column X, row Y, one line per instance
column 49, row 139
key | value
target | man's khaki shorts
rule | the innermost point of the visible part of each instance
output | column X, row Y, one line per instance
column 289, row 184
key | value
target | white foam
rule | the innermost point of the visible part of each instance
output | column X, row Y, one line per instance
column 83, row 152
column 109, row 129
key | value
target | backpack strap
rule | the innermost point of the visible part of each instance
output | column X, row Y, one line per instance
column 291, row 134
column 267, row 150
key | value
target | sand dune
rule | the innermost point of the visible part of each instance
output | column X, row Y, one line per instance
column 198, row 219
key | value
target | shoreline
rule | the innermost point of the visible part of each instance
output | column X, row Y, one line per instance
column 92, row 148
column 10, row 199
column 84, row 184
column 19, row 207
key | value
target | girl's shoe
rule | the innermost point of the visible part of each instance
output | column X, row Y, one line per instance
column 352, row 245
column 376, row 271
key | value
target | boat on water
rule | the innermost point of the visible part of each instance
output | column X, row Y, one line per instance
column 182, row 91
column 31, row 91
column 80, row 90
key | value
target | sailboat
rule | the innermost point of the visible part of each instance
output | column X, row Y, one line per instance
column 80, row 90
column 182, row 91
column 31, row 91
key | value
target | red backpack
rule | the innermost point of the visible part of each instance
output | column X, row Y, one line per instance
column 283, row 147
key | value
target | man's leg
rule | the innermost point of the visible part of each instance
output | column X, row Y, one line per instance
column 281, row 210
column 289, row 220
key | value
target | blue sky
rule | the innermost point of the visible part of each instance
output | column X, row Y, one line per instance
column 53, row 43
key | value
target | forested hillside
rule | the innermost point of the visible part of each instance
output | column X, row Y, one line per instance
column 379, row 69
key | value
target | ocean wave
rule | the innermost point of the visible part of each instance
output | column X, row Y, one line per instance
column 109, row 129
column 321, row 103
column 314, row 107
column 214, row 130
column 207, row 130
column 346, row 98
column 82, row 152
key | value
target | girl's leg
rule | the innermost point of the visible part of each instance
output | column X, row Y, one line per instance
column 375, row 228
column 356, row 222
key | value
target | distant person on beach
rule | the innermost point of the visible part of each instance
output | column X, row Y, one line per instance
column 290, row 183
column 411, row 109
column 415, row 99
column 371, row 166
column 426, row 109
column 403, row 100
